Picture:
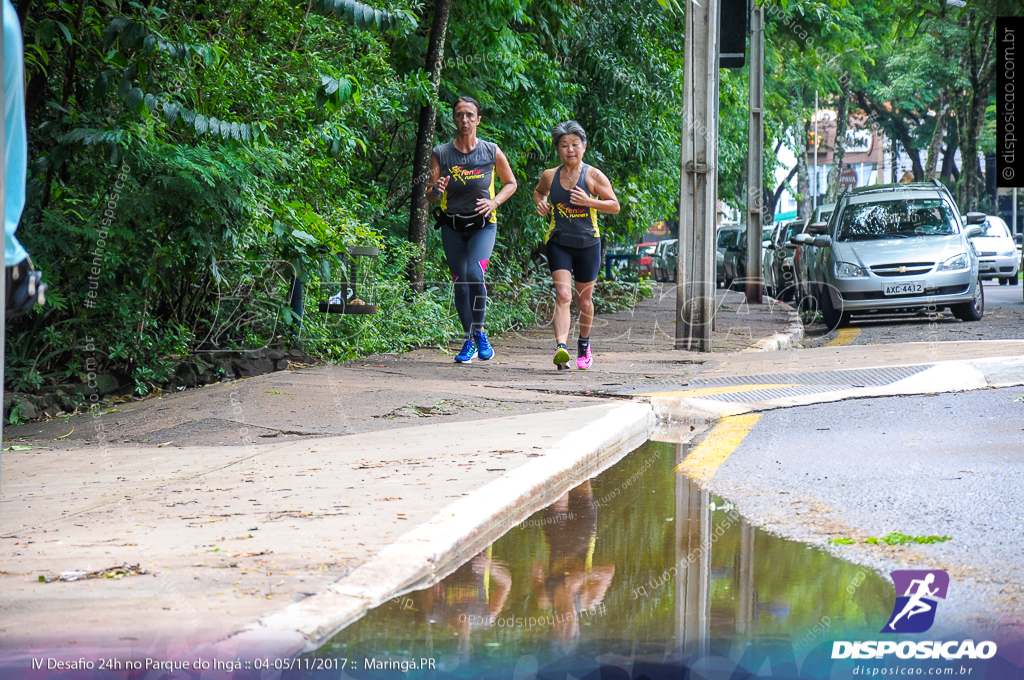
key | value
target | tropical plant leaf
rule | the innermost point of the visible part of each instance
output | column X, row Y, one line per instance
column 363, row 16
column 201, row 124
column 133, row 98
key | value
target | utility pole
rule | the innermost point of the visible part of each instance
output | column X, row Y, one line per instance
column 698, row 184
column 755, row 160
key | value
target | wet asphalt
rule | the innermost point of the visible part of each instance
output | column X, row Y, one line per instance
column 944, row 465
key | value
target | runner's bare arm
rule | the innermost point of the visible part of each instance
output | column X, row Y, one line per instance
column 540, row 194
column 508, row 186
column 436, row 181
column 598, row 185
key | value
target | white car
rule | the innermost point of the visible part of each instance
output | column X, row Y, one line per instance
column 997, row 253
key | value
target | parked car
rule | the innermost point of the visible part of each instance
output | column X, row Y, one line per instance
column 728, row 237
column 663, row 267
column 896, row 248
column 646, row 252
column 823, row 212
column 736, row 260
column 997, row 252
column 777, row 261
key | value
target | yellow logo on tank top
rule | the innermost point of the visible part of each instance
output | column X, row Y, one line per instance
column 572, row 211
column 462, row 174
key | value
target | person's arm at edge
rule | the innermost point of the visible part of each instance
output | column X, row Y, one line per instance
column 598, row 184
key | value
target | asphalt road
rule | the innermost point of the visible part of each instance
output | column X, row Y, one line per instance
column 1004, row 318
column 946, row 465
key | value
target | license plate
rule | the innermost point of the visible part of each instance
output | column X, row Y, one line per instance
column 985, row 266
column 904, row 288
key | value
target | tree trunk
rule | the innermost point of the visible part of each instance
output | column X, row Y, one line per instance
column 419, row 210
column 941, row 116
column 949, row 170
column 907, row 143
column 838, row 149
column 980, row 60
column 803, row 177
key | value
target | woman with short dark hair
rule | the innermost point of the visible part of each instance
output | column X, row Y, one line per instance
column 462, row 174
column 577, row 192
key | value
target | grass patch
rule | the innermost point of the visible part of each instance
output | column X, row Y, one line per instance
column 894, row 538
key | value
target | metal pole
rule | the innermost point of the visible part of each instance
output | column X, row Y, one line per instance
column 814, row 190
column 698, row 184
column 755, row 159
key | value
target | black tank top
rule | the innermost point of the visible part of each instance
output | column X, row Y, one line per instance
column 472, row 177
column 573, row 226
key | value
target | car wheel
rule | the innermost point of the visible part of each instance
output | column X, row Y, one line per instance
column 832, row 317
column 1014, row 280
column 1004, row 282
column 974, row 310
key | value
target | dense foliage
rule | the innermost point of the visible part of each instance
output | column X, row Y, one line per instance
column 189, row 158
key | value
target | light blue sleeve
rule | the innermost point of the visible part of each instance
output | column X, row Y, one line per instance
column 16, row 146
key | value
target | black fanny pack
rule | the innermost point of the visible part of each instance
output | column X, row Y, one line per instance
column 459, row 222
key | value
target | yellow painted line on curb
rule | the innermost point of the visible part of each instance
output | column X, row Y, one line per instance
column 712, row 391
column 703, row 461
column 846, row 337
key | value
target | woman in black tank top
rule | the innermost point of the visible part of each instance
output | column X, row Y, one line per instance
column 462, row 174
column 571, row 196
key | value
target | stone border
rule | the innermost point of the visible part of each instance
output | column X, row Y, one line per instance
column 433, row 550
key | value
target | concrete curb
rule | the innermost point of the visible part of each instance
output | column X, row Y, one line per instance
column 780, row 341
column 433, row 550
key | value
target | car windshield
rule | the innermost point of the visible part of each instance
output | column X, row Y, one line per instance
column 646, row 250
column 994, row 228
column 727, row 238
column 895, row 219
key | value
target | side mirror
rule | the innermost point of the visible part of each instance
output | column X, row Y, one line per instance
column 1019, row 239
column 767, row 245
column 822, row 241
column 800, row 239
column 975, row 218
column 974, row 231
column 817, row 228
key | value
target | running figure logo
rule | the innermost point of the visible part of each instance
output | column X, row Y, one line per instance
column 914, row 611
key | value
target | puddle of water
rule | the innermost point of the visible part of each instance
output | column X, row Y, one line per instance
column 637, row 563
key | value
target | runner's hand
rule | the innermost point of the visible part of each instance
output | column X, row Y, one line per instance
column 442, row 183
column 579, row 197
column 485, row 206
column 543, row 207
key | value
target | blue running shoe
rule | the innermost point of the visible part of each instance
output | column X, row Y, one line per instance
column 467, row 353
column 485, row 351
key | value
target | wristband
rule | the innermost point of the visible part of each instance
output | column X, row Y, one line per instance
column 433, row 187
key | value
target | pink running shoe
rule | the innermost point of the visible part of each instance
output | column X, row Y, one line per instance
column 586, row 358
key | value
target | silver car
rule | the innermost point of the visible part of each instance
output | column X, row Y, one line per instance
column 998, row 252
column 897, row 248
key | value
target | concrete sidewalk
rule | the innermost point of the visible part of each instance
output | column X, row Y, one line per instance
column 286, row 505
column 240, row 498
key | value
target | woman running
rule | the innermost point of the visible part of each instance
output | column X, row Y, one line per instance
column 462, row 178
column 577, row 192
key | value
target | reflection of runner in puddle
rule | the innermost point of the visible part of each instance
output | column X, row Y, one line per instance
column 570, row 584
column 472, row 597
